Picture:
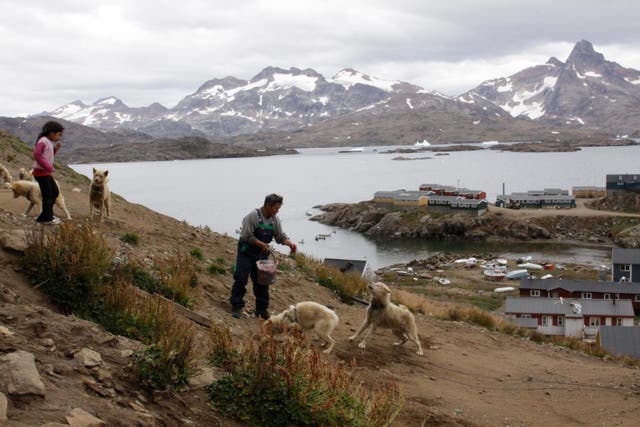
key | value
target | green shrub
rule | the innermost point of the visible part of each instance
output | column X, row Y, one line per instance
column 131, row 238
column 275, row 384
column 168, row 362
column 69, row 264
column 170, row 280
column 215, row 268
column 197, row 254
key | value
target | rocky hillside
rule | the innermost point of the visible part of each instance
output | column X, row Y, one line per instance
column 84, row 144
column 496, row 225
column 60, row 370
column 585, row 90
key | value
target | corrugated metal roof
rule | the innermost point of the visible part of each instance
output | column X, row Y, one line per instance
column 347, row 265
column 589, row 307
column 625, row 256
column 580, row 285
column 620, row 340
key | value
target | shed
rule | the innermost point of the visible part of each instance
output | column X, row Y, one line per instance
column 347, row 265
column 620, row 340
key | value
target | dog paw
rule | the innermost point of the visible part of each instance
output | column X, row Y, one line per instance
column 420, row 353
column 362, row 345
column 326, row 351
column 397, row 343
column 352, row 338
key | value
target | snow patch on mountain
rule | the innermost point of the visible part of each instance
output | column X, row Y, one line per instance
column 521, row 103
column 409, row 103
column 350, row 77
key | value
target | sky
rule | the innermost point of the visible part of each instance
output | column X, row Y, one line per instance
column 145, row 51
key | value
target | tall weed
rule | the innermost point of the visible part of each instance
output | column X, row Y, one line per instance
column 273, row 384
column 345, row 285
column 68, row 263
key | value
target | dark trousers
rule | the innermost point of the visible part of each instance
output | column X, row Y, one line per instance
column 245, row 268
column 50, row 192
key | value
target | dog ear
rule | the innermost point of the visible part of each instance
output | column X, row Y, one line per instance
column 106, row 173
column 94, row 171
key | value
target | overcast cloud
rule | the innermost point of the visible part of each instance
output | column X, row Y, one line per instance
column 145, row 51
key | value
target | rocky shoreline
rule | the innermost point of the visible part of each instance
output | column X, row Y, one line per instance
column 380, row 221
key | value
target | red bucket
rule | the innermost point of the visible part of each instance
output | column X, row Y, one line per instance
column 266, row 271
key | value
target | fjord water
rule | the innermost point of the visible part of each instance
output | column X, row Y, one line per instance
column 218, row 192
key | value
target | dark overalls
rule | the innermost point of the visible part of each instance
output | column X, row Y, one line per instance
column 246, row 267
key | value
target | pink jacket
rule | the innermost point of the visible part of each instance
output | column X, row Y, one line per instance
column 43, row 154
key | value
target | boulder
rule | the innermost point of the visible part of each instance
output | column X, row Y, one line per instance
column 13, row 240
column 19, row 372
column 80, row 418
column 88, row 358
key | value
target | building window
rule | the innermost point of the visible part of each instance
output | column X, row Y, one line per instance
column 625, row 267
column 619, row 321
column 617, row 296
column 546, row 321
column 585, row 295
column 637, row 298
column 594, row 321
column 525, row 316
column 534, row 292
column 606, row 296
column 560, row 320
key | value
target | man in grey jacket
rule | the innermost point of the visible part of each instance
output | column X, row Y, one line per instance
column 259, row 228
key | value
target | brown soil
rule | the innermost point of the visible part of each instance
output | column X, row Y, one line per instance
column 468, row 376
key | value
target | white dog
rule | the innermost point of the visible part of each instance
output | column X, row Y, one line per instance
column 99, row 195
column 31, row 191
column 382, row 312
column 309, row 315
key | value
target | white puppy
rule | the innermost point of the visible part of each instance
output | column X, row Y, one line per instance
column 31, row 191
column 383, row 313
column 25, row 175
column 99, row 195
column 309, row 315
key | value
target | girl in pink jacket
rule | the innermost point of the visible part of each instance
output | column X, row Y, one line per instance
column 47, row 146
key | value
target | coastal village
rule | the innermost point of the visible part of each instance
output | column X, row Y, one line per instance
column 603, row 311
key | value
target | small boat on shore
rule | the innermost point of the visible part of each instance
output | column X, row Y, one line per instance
column 493, row 266
column 523, row 259
column 546, row 276
column 502, row 261
column 530, row 266
column 444, row 281
column 517, row 274
column 495, row 275
column 504, row 289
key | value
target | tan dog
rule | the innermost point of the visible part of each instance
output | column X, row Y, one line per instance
column 99, row 195
column 383, row 313
column 31, row 191
column 309, row 315
column 25, row 175
column 7, row 179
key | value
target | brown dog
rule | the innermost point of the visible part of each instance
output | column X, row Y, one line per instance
column 383, row 313
column 31, row 191
column 99, row 195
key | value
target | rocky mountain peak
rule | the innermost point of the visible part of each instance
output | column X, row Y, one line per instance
column 584, row 53
column 555, row 62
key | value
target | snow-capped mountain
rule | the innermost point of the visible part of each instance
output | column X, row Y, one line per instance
column 274, row 99
column 586, row 90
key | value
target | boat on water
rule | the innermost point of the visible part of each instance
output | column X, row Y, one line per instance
column 423, row 143
column 353, row 150
column 495, row 275
column 504, row 289
column 517, row 274
column 530, row 266
column 308, row 213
